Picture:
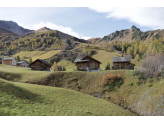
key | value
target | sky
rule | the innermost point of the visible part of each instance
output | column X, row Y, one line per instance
column 85, row 22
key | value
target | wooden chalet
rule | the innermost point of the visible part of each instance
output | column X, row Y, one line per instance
column 40, row 65
column 122, row 63
column 9, row 61
column 86, row 63
column 22, row 63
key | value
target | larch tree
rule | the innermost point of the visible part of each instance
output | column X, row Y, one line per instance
column 137, row 57
column 55, row 67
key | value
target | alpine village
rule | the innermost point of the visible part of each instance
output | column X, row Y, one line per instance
column 48, row 72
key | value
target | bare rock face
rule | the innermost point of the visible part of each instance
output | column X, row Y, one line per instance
column 14, row 27
column 43, row 29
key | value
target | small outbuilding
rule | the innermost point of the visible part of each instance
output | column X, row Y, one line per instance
column 9, row 61
column 22, row 63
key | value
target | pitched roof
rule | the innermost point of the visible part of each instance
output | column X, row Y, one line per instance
column 42, row 62
column 8, row 58
column 121, row 59
column 80, row 58
column 22, row 61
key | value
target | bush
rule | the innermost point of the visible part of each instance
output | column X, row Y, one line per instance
column 150, row 85
column 112, row 81
column 131, row 84
column 135, row 73
column 149, row 80
column 64, row 69
column 138, row 76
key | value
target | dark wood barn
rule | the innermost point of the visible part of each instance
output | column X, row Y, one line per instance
column 122, row 63
column 86, row 63
column 40, row 65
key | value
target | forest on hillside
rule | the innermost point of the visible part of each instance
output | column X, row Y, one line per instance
column 51, row 40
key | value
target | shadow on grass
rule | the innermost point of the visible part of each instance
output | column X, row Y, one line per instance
column 18, row 92
column 9, row 76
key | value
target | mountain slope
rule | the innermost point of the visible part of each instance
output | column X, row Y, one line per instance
column 42, row 39
column 95, row 40
column 133, row 34
column 5, row 32
column 13, row 27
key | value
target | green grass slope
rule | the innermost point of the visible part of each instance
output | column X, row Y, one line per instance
column 21, row 74
column 26, row 99
column 37, row 54
column 68, row 65
column 143, row 97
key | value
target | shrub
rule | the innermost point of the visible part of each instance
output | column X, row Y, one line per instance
column 138, row 76
column 149, row 80
column 64, row 69
column 135, row 73
column 112, row 81
column 150, row 85
column 131, row 84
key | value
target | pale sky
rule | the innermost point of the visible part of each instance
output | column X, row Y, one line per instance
column 85, row 22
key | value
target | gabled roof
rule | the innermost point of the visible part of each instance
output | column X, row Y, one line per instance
column 121, row 59
column 81, row 59
column 22, row 61
column 8, row 58
column 41, row 61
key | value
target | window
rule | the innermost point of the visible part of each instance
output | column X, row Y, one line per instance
column 80, row 66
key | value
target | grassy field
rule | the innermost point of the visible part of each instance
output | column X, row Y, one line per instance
column 143, row 97
column 35, row 100
column 21, row 74
column 37, row 54
column 68, row 65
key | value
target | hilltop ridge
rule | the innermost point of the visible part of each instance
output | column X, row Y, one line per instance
column 14, row 27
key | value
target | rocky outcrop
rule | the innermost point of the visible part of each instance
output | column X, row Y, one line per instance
column 14, row 27
column 116, row 34
column 129, row 35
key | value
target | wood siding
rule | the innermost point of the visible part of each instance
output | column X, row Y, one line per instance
column 18, row 65
column 7, row 62
column 81, row 65
column 91, row 64
column 40, row 66
column 122, row 65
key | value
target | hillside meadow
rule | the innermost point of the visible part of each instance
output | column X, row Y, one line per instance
column 20, row 99
column 21, row 74
column 140, row 96
column 37, row 54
